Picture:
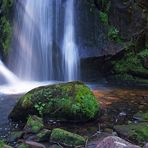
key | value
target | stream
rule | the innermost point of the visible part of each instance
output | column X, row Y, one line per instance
column 118, row 105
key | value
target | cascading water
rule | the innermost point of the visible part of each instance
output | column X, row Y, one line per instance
column 38, row 51
column 32, row 40
column 43, row 45
column 69, row 49
column 7, row 75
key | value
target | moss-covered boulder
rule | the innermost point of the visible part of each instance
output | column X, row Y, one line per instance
column 3, row 145
column 138, row 132
column 14, row 136
column 64, row 137
column 43, row 135
column 141, row 116
column 66, row 101
column 34, row 124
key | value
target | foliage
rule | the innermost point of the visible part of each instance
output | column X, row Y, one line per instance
column 6, row 34
column 113, row 34
column 138, row 132
column 40, row 107
column 103, row 17
column 142, row 133
column 23, row 146
column 131, row 61
column 2, row 143
column 5, row 26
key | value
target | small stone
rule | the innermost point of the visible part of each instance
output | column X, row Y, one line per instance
column 108, row 130
column 43, row 135
column 34, row 124
column 14, row 136
column 115, row 142
column 31, row 144
column 146, row 145
column 61, row 136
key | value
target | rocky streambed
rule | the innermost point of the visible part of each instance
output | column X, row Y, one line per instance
column 122, row 113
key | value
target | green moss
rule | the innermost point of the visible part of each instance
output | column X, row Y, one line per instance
column 15, row 135
column 103, row 17
column 113, row 34
column 43, row 135
column 6, row 28
column 23, row 146
column 72, row 101
column 3, row 145
column 137, row 132
column 34, row 124
column 143, row 116
column 65, row 137
column 131, row 66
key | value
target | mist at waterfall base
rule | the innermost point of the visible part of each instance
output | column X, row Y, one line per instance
column 43, row 48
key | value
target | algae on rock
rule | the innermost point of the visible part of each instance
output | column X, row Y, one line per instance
column 66, row 101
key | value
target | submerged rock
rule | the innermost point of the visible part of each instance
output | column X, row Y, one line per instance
column 115, row 142
column 68, row 101
column 34, row 124
column 31, row 144
column 138, row 132
column 67, row 138
column 15, row 136
column 141, row 116
column 43, row 135
column 3, row 145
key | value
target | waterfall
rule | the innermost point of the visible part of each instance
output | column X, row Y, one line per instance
column 7, row 75
column 69, row 49
column 43, row 46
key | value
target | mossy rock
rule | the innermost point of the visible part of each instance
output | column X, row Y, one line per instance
column 43, row 136
column 34, row 124
column 65, row 101
column 3, row 145
column 64, row 137
column 141, row 116
column 14, row 136
column 138, row 132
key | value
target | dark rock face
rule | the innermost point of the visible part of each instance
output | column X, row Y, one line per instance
column 131, row 19
column 91, row 35
column 66, row 101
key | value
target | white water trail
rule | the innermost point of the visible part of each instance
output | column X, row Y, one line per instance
column 69, row 49
column 7, row 74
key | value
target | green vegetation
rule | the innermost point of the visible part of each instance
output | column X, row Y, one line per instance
column 65, row 137
column 132, row 65
column 142, row 134
column 142, row 116
column 5, row 26
column 23, row 146
column 3, row 145
column 73, row 101
column 113, row 34
column 34, row 124
column 40, row 107
column 138, row 132
column 7, row 33
column 103, row 17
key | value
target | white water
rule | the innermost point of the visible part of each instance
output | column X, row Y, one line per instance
column 39, row 51
column 43, row 46
column 69, row 49
column 7, row 74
